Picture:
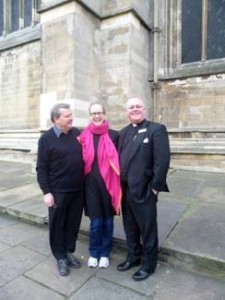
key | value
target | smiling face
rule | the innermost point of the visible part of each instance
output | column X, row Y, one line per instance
column 97, row 114
column 135, row 110
column 65, row 120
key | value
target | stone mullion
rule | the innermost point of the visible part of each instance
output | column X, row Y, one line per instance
column 35, row 15
column 21, row 14
column 178, row 30
column 7, row 16
column 204, row 30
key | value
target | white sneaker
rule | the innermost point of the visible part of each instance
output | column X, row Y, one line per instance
column 92, row 262
column 103, row 262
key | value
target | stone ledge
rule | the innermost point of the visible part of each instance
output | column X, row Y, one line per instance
column 198, row 146
column 197, row 262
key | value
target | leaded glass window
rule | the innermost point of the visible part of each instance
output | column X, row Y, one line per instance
column 27, row 13
column 191, row 30
column 203, row 30
column 17, row 14
column 14, row 15
column 216, row 29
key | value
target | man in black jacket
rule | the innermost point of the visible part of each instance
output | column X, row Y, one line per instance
column 60, row 177
column 144, row 158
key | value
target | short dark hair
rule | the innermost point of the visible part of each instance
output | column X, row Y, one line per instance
column 56, row 110
column 99, row 103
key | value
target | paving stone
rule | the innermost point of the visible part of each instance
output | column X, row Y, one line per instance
column 3, row 247
column 17, row 180
column 38, row 241
column 28, row 274
column 209, row 222
column 102, row 289
column 168, row 215
column 6, row 221
column 32, row 210
column 8, row 167
column 166, row 283
column 20, row 233
column 18, row 194
column 211, row 193
column 191, row 233
column 24, row 289
column 144, row 288
column 174, row 284
column 184, row 184
column 63, row 285
column 201, row 234
column 16, row 261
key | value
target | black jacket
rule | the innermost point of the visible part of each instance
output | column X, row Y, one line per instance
column 148, row 160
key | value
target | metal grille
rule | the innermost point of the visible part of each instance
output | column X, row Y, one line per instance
column 191, row 30
column 216, row 29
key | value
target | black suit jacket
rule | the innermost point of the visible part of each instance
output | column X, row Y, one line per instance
column 114, row 135
column 148, row 160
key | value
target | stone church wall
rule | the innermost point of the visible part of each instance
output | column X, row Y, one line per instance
column 88, row 50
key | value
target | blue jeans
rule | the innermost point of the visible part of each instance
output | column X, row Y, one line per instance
column 100, row 240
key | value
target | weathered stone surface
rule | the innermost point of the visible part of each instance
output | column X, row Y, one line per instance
column 32, row 210
column 103, row 50
column 19, row 194
column 20, row 87
column 196, row 243
column 3, row 247
column 21, row 234
column 198, row 236
column 15, row 261
column 23, row 289
column 96, row 288
column 62, row 285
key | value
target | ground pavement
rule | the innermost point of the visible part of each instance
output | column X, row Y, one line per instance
column 191, row 232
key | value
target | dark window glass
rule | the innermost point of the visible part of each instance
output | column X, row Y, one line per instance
column 216, row 29
column 1, row 17
column 14, row 15
column 191, row 30
column 27, row 13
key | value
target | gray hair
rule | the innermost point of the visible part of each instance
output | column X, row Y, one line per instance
column 99, row 103
column 56, row 110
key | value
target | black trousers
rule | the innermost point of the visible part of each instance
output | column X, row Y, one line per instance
column 140, row 225
column 64, row 222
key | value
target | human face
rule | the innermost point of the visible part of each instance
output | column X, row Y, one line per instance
column 97, row 116
column 65, row 120
column 135, row 110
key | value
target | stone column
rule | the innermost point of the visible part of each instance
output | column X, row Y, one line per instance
column 69, row 61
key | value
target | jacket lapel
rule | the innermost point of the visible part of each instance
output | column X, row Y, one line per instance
column 121, row 139
column 141, row 134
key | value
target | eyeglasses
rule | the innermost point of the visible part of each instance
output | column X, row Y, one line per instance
column 97, row 113
column 138, row 106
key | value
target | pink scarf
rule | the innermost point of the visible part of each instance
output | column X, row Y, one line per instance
column 107, row 159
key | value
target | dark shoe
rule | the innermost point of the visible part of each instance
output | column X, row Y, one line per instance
column 73, row 261
column 127, row 265
column 142, row 274
column 63, row 267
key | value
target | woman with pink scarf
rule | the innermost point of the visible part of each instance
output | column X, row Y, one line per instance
column 102, row 184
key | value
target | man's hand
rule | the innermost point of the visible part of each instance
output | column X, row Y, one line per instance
column 49, row 200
